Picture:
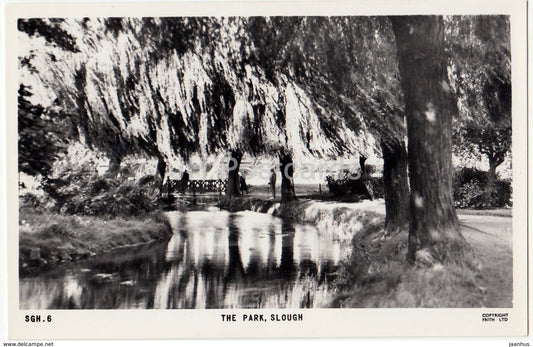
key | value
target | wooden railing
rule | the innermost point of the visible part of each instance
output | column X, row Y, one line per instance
column 195, row 186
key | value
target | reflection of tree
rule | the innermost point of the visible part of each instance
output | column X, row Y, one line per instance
column 254, row 270
column 257, row 268
column 326, row 271
column 183, row 296
column 308, row 268
column 178, row 287
column 213, row 276
column 235, row 267
column 287, row 265
column 173, row 275
column 271, row 259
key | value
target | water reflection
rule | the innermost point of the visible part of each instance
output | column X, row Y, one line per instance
column 215, row 259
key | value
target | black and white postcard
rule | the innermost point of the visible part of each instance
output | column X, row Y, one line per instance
column 266, row 169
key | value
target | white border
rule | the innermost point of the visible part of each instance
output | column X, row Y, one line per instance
column 101, row 324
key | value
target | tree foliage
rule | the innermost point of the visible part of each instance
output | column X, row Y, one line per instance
column 42, row 135
column 300, row 85
column 135, row 87
column 347, row 64
column 478, row 48
column 51, row 30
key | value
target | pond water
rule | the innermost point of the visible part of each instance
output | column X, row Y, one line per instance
column 215, row 259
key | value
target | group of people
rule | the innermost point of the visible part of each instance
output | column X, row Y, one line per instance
column 243, row 187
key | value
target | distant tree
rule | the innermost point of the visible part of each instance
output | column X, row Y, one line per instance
column 51, row 30
column 489, row 139
column 41, row 135
column 43, row 131
column 478, row 50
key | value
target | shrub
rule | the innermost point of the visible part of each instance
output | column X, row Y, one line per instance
column 347, row 187
column 99, row 185
column 96, row 196
column 147, row 179
column 502, row 196
column 469, row 186
column 31, row 201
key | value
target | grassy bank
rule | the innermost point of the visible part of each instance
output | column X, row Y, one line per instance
column 376, row 274
column 45, row 239
column 341, row 220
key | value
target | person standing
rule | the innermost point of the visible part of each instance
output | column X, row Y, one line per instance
column 184, row 181
column 243, row 186
column 272, row 183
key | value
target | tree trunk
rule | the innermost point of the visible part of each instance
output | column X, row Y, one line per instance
column 429, row 104
column 395, row 185
column 114, row 166
column 363, row 181
column 362, row 161
column 235, row 269
column 287, row 183
column 491, row 178
column 232, row 189
column 159, row 176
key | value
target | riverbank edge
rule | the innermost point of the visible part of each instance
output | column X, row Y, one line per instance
column 344, row 219
column 340, row 220
column 46, row 240
column 377, row 274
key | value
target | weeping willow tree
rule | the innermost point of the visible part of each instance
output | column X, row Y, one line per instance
column 125, row 97
column 273, row 115
column 203, row 85
column 287, row 122
column 348, row 66
column 132, row 87
column 237, row 108
column 79, row 82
